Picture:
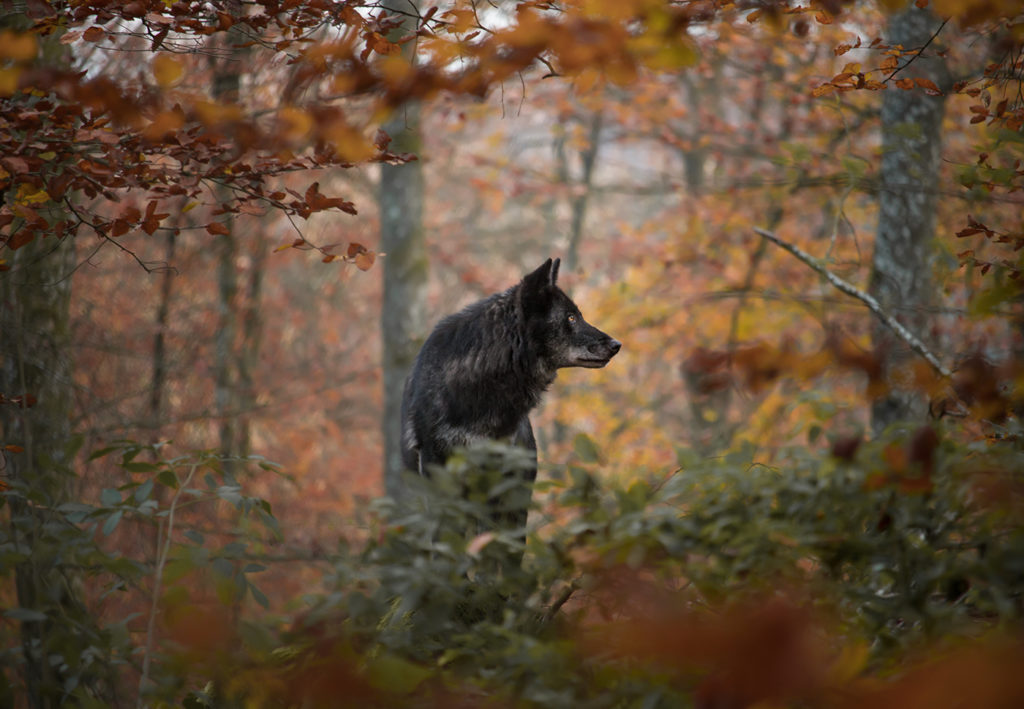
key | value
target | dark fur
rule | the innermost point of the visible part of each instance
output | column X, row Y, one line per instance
column 483, row 370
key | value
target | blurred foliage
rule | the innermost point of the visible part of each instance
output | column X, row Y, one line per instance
column 888, row 572
column 93, row 550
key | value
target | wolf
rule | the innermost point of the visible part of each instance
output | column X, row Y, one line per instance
column 482, row 370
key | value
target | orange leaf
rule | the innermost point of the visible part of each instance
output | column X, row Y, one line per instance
column 19, row 47
column 94, row 34
column 928, row 85
column 167, row 70
column 217, row 228
column 364, row 261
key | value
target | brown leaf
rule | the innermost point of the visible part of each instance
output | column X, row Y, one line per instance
column 928, row 85
column 217, row 228
column 364, row 261
column 94, row 34
column 20, row 238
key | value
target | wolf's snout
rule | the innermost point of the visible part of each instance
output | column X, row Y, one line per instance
column 614, row 346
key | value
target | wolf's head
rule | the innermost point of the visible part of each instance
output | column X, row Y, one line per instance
column 555, row 325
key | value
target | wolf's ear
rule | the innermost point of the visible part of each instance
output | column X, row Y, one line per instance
column 535, row 292
column 554, row 272
column 541, row 278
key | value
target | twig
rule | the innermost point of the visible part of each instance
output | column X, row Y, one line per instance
column 561, row 601
column 918, row 53
column 873, row 305
column 158, row 575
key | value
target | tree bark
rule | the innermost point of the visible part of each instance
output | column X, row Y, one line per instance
column 227, row 85
column 403, row 315
column 35, row 372
column 902, row 262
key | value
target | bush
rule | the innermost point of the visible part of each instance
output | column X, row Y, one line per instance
column 807, row 580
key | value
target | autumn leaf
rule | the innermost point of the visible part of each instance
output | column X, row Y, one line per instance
column 94, row 34
column 217, row 229
column 16, row 46
column 20, row 238
column 152, row 221
column 9, row 80
column 928, row 85
column 167, row 70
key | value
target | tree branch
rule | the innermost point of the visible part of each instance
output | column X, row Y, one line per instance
column 873, row 305
column 918, row 53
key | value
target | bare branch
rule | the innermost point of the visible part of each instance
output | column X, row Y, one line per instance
column 918, row 53
column 873, row 305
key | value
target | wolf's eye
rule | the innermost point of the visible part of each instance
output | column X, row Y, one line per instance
column 572, row 319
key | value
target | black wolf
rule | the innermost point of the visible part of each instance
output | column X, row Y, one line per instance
column 482, row 370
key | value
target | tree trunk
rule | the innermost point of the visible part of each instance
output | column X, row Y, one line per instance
column 403, row 316
column 227, row 83
column 35, row 417
column 578, row 201
column 902, row 261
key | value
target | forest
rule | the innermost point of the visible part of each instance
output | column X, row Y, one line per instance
column 228, row 227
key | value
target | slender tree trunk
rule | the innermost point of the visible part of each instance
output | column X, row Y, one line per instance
column 159, row 376
column 252, row 339
column 579, row 202
column 902, row 261
column 227, row 82
column 403, row 315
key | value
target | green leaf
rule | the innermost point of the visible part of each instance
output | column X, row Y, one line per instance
column 167, row 478
column 111, row 524
column 143, row 491
column 586, row 449
column 141, row 467
column 110, row 497
column 395, row 674
column 259, row 596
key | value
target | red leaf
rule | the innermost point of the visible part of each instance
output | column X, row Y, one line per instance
column 120, row 228
column 217, row 228
column 20, row 238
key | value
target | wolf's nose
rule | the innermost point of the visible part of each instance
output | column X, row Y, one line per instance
column 615, row 346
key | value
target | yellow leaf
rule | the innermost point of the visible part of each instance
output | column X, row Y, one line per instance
column 295, row 123
column 27, row 194
column 16, row 46
column 167, row 70
column 851, row 661
column 212, row 113
column 9, row 80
